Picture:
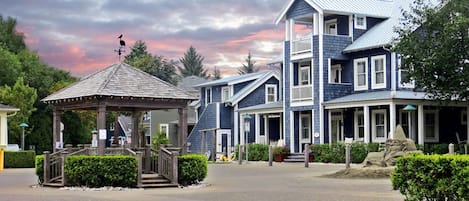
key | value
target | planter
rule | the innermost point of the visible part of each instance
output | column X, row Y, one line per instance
column 280, row 157
column 311, row 158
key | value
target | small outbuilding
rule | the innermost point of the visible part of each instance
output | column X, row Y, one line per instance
column 5, row 110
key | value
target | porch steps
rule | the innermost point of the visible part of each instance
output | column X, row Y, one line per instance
column 156, row 181
column 295, row 158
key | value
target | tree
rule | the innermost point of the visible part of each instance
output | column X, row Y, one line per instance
column 216, row 73
column 9, row 67
column 22, row 97
column 12, row 40
column 248, row 67
column 138, row 50
column 192, row 62
column 434, row 46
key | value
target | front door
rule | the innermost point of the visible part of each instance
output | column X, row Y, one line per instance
column 223, row 142
column 336, row 132
column 305, row 128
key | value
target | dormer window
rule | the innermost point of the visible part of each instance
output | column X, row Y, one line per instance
column 360, row 22
column 271, row 93
column 331, row 27
column 225, row 93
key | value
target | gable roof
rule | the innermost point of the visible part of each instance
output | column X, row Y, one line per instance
column 251, row 87
column 233, row 79
column 188, row 83
column 374, row 8
column 120, row 80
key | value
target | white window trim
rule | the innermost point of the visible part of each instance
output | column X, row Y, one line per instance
column 355, row 75
column 329, row 22
column 374, row 85
column 373, row 124
column 309, row 75
column 229, row 93
column 357, row 26
column 165, row 130
column 303, row 140
column 206, row 94
column 410, row 84
column 267, row 86
column 355, row 125
column 331, row 72
column 437, row 128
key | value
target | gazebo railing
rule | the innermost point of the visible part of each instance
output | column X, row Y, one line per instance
column 168, row 164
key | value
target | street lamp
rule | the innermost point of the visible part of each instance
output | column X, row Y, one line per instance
column 23, row 125
column 247, row 126
column 410, row 108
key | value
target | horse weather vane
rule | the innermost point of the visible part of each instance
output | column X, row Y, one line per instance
column 121, row 47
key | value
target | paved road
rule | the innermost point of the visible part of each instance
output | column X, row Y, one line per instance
column 225, row 182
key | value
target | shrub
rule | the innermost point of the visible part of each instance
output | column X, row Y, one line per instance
column 435, row 149
column 98, row 171
column 192, row 168
column 335, row 153
column 432, row 177
column 258, row 152
column 19, row 159
column 39, row 163
column 159, row 139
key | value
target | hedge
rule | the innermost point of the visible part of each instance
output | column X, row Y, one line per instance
column 257, row 152
column 39, row 163
column 98, row 171
column 192, row 168
column 19, row 159
column 335, row 153
column 432, row 177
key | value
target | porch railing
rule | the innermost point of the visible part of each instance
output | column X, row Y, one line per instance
column 301, row 45
column 168, row 164
column 54, row 167
column 302, row 93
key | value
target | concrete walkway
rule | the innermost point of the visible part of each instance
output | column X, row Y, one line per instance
column 225, row 182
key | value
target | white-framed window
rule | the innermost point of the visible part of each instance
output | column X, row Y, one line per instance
column 463, row 117
column 379, row 125
column 359, row 125
column 305, row 128
column 330, row 27
column 304, row 75
column 360, row 74
column 403, row 74
column 208, row 95
column 360, row 22
column 225, row 93
column 147, row 116
column 404, row 121
column 430, row 122
column 271, row 93
column 165, row 128
column 336, row 73
column 378, row 72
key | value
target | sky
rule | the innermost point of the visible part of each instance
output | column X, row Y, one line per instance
column 80, row 36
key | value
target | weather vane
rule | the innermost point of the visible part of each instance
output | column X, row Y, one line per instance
column 121, row 47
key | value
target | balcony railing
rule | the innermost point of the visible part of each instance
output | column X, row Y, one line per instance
column 302, row 93
column 302, row 45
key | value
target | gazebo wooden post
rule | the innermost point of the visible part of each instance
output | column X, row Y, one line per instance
column 135, row 135
column 183, row 129
column 57, row 116
column 101, row 124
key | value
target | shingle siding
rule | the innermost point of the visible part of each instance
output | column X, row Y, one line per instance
column 333, row 46
column 299, row 8
column 342, row 23
column 207, row 120
column 368, row 54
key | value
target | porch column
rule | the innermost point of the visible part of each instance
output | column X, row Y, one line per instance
column 366, row 117
column 101, row 125
column 257, row 126
column 420, row 126
column 3, row 130
column 135, row 137
column 392, row 120
column 56, row 119
column 292, row 29
column 183, row 129
column 266, row 128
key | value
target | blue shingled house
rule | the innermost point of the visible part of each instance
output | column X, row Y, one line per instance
column 340, row 79
column 223, row 106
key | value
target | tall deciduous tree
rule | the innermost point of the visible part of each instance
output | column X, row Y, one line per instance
column 249, row 66
column 433, row 43
column 192, row 62
column 12, row 40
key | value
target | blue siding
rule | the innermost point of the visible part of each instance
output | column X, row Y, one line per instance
column 342, row 23
column 300, row 8
column 216, row 94
column 226, row 117
column 296, row 131
column 317, row 104
column 287, row 91
column 238, row 87
column 368, row 54
column 206, row 121
column 333, row 46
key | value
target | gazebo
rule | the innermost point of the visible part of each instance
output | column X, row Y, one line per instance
column 120, row 87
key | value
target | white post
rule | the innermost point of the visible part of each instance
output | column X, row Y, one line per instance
column 392, row 120
column 366, row 116
column 420, row 126
column 257, row 128
column 287, row 30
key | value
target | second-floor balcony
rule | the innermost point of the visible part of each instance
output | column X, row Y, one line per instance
column 302, row 93
column 302, row 45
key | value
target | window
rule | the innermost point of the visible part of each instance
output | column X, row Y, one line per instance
column 360, row 67
column 403, row 76
column 165, row 129
column 431, row 126
column 304, row 75
column 271, row 93
column 225, row 93
column 379, row 125
column 378, row 69
column 360, row 22
column 463, row 117
column 359, row 125
column 336, row 73
column 305, row 128
column 404, row 121
column 208, row 96
column 331, row 27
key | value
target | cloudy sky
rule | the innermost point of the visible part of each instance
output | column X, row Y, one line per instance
column 80, row 36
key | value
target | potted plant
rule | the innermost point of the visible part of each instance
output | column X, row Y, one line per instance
column 281, row 153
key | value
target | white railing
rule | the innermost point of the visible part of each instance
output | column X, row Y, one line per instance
column 302, row 93
column 302, row 45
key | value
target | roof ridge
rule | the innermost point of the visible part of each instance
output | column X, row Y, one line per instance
column 108, row 78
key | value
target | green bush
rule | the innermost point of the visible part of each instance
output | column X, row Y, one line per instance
column 335, row 153
column 39, row 163
column 192, row 168
column 258, row 152
column 432, row 177
column 98, row 171
column 19, row 159
column 435, row 149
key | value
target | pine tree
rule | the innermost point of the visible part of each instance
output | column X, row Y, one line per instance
column 192, row 62
column 249, row 67
column 216, row 73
